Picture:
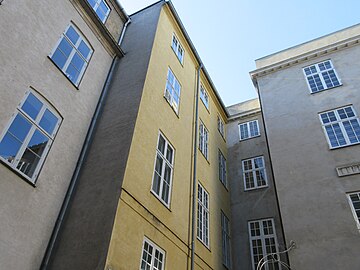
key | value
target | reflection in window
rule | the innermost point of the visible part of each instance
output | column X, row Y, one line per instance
column 29, row 136
column 72, row 54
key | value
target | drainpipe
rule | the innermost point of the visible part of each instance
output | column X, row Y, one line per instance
column 194, row 170
column 83, row 154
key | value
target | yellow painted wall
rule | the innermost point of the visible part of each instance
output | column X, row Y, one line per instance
column 140, row 213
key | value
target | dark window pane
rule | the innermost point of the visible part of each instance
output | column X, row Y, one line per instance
column 9, row 146
column 20, row 127
column 72, row 35
column 28, row 163
column 48, row 121
column 161, row 144
column 32, row 106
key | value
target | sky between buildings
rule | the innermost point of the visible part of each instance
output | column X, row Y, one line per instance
column 230, row 35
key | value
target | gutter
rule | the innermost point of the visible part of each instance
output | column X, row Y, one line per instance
column 83, row 154
column 193, row 217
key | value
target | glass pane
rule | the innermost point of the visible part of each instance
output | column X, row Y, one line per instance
column 169, row 154
column 32, row 106
column 28, row 163
column 65, row 47
column 77, row 62
column 72, row 35
column 9, row 146
column 84, row 49
column 59, row 58
column 38, row 143
column 161, row 145
column 92, row 3
column 48, row 121
column 20, row 127
column 72, row 73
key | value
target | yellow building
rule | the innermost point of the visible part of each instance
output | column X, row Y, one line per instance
column 153, row 191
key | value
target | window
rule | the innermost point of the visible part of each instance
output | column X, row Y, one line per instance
column 263, row 242
column 321, row 76
column 222, row 169
column 101, row 9
column 27, row 139
column 164, row 161
column 204, row 96
column 177, row 48
column 341, row 126
column 254, row 173
column 72, row 54
column 225, row 231
column 220, row 124
column 153, row 257
column 203, row 140
column 172, row 91
column 249, row 130
column 203, row 216
column 354, row 200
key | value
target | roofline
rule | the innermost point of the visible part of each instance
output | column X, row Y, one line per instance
column 122, row 9
column 306, row 42
column 149, row 6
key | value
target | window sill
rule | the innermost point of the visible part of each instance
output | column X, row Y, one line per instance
column 25, row 178
column 172, row 108
column 255, row 188
column 204, row 156
column 207, row 108
column 223, row 137
column 207, row 247
column 162, row 202
column 181, row 63
column 227, row 189
column 343, row 146
column 62, row 72
column 241, row 140
column 324, row 90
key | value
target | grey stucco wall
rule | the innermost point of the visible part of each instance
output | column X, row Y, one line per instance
column 29, row 31
column 85, row 236
column 313, row 202
column 252, row 204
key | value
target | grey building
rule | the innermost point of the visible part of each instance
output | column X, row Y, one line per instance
column 310, row 102
column 255, row 218
column 55, row 58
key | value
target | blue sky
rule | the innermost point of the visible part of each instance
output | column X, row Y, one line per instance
column 229, row 35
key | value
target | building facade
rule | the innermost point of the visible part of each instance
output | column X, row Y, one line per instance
column 117, row 152
column 55, row 57
column 310, row 104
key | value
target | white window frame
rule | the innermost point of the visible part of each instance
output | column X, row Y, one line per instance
column 177, row 48
column 204, row 140
column 248, row 128
column 34, row 127
column 97, row 5
column 254, row 173
column 320, row 71
column 74, row 51
column 165, row 162
column 222, row 169
column 221, row 126
column 339, row 123
column 203, row 216
column 262, row 238
column 225, row 235
column 353, row 209
column 204, row 96
column 155, row 248
column 169, row 96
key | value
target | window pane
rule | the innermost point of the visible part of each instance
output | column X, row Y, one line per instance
column 28, row 163
column 38, row 143
column 32, row 106
column 72, row 35
column 9, row 146
column 100, row 14
column 72, row 73
column 77, row 62
column 59, row 58
column 92, row 3
column 65, row 47
column 161, row 145
column 48, row 122
column 20, row 127
column 169, row 154
column 84, row 49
